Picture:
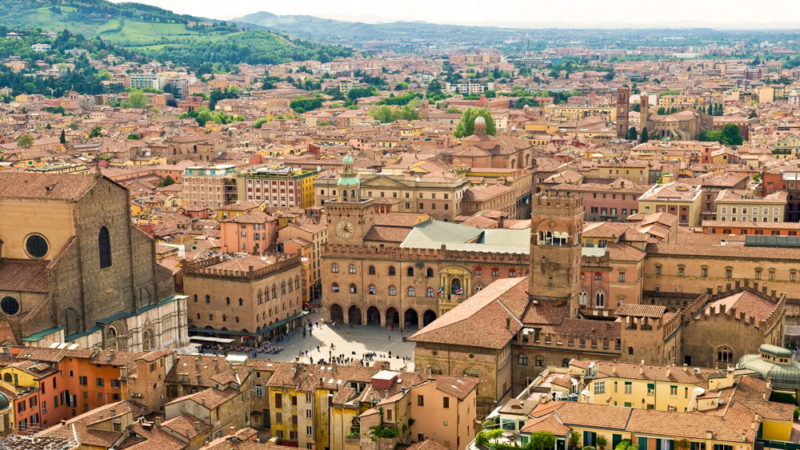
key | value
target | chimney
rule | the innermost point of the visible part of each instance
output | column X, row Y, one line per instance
column 158, row 421
column 187, row 432
column 668, row 367
column 641, row 369
column 233, row 430
column 113, row 413
column 203, row 401
column 709, row 434
column 215, row 363
column 685, row 367
column 197, row 425
column 613, row 368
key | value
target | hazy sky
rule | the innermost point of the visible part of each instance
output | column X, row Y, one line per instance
column 577, row 13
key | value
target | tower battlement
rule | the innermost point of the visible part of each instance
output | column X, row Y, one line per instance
column 547, row 203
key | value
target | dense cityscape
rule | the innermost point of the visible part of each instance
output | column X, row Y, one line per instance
column 290, row 231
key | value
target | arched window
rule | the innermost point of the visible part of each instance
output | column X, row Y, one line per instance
column 210, row 317
column 410, row 271
column 195, row 298
column 290, row 285
column 583, row 299
column 283, row 287
column 429, row 273
column 411, row 291
column 565, row 363
column 228, row 300
column 241, row 302
column 392, row 290
column 104, row 243
column 725, row 354
column 208, row 299
column 372, row 289
column 470, row 372
column 274, row 291
column 630, row 350
column 522, row 359
column 371, row 270
column 259, row 298
column 237, row 319
column 335, row 268
column 297, row 282
column 392, row 271
column 430, row 293
column 7, row 377
column 353, row 289
column 352, row 268
column 198, row 316
column 224, row 318
column 335, row 287
column 540, row 361
column 600, row 300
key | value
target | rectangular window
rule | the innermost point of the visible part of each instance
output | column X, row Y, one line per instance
column 622, row 276
column 673, row 390
column 600, row 387
column 628, row 387
column 309, row 431
column 101, row 382
column 278, row 401
column 82, row 381
column 420, row 400
column 445, row 402
column 651, row 388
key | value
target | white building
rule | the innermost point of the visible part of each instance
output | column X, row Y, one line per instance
column 148, row 80
column 40, row 48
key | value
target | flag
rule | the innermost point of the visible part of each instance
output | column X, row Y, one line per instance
column 459, row 291
column 440, row 291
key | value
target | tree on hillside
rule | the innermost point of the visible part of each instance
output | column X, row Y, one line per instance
column 632, row 134
column 97, row 131
column 466, row 126
column 63, row 138
column 644, row 136
column 137, row 100
column 25, row 141
column 434, row 87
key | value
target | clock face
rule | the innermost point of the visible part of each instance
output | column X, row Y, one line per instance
column 345, row 229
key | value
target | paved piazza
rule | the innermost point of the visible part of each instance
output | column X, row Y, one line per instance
column 351, row 342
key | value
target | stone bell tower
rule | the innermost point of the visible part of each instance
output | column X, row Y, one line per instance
column 555, row 264
column 350, row 216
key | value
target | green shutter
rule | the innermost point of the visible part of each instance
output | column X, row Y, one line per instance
column 586, row 438
column 651, row 386
column 658, row 444
column 642, row 443
column 671, row 444
column 615, row 440
column 693, row 446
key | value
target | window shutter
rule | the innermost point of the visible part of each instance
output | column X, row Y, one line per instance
column 643, row 443
column 658, row 444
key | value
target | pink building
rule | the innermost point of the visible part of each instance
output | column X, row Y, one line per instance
column 249, row 233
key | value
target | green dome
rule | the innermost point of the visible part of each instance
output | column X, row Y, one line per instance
column 348, row 181
column 348, row 159
column 784, row 376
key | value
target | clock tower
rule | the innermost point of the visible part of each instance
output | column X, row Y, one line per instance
column 349, row 216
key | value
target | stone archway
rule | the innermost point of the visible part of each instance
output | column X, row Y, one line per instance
column 411, row 319
column 373, row 316
column 337, row 315
column 428, row 317
column 354, row 315
column 392, row 317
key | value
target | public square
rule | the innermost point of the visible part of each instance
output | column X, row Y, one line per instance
column 350, row 342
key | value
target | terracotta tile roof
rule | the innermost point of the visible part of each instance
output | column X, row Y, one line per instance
column 753, row 305
column 202, row 366
column 152, row 438
column 693, row 425
column 387, row 234
column 458, row 387
column 252, row 217
column 184, row 425
column 24, row 275
column 211, row 396
column 478, row 321
column 80, row 426
column 427, row 445
column 54, row 187
column 651, row 311
column 586, row 414
column 628, row 371
column 547, row 423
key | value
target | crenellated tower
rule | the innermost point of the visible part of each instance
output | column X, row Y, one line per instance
column 555, row 256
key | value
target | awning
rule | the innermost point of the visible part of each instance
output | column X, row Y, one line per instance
column 211, row 339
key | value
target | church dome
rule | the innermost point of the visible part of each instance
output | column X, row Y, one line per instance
column 348, row 159
column 480, row 121
column 4, row 403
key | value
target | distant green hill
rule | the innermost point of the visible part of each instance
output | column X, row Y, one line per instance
column 160, row 33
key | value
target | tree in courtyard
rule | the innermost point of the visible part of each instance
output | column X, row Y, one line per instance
column 25, row 141
column 168, row 181
column 466, row 126
column 632, row 134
